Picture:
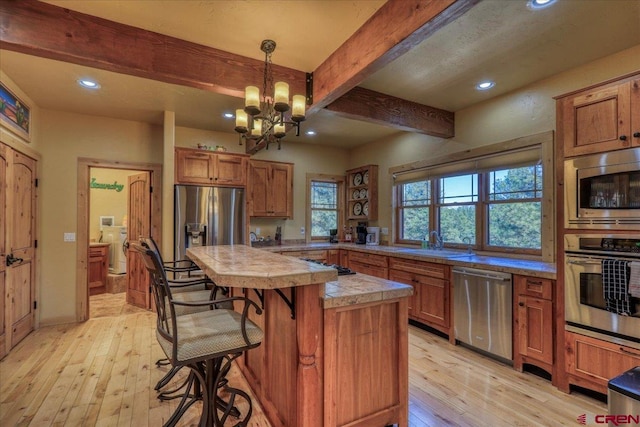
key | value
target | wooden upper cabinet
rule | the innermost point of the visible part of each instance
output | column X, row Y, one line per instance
column 601, row 118
column 270, row 189
column 210, row 168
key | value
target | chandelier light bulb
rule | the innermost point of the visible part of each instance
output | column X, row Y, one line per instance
column 252, row 100
column 257, row 128
column 242, row 121
column 281, row 97
column 298, row 110
column 279, row 130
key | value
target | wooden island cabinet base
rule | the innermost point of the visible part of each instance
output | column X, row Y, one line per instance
column 335, row 349
column 344, row 366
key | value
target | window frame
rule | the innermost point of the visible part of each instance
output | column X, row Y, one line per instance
column 482, row 206
column 339, row 180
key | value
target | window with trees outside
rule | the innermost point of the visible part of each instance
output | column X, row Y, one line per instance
column 499, row 209
column 325, row 207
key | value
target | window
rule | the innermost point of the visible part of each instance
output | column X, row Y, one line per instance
column 325, row 208
column 514, row 208
column 500, row 209
column 457, row 208
column 414, row 210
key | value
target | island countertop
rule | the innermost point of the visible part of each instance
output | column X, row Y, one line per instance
column 246, row 267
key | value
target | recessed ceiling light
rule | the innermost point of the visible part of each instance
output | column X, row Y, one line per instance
column 228, row 115
column 89, row 84
column 485, row 85
column 539, row 4
column 310, row 132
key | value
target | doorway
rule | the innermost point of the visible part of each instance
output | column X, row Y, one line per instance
column 88, row 169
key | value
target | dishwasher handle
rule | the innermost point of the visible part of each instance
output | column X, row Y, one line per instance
column 501, row 277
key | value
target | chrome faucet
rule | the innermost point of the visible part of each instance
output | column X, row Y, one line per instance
column 439, row 244
column 467, row 240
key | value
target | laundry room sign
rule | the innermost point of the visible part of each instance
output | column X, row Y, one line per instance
column 104, row 186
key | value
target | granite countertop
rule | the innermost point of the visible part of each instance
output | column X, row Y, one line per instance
column 362, row 289
column 546, row 270
column 241, row 266
column 246, row 267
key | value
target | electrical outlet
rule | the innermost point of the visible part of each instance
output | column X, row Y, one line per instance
column 384, row 231
column 69, row 237
column 302, row 230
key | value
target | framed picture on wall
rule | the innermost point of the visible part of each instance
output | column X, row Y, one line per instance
column 106, row 221
column 15, row 115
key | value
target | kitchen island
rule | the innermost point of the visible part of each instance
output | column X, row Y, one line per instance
column 335, row 349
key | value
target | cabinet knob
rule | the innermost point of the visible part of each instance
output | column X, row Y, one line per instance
column 636, row 135
column 623, row 137
column 521, row 304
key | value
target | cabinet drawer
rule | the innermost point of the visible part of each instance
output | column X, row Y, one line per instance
column 534, row 287
column 318, row 255
column 371, row 270
column 439, row 271
column 598, row 361
column 366, row 258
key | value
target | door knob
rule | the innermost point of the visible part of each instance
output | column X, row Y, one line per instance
column 10, row 260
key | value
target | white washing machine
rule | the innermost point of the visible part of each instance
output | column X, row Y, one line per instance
column 117, row 237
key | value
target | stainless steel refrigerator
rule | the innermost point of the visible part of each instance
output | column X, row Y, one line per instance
column 206, row 216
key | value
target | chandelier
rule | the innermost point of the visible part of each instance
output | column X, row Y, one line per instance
column 263, row 120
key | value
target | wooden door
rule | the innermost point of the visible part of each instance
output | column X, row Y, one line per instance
column 535, row 328
column 258, row 187
column 597, row 120
column 19, row 245
column 281, row 187
column 139, row 224
column 194, row 167
column 230, row 169
column 4, row 349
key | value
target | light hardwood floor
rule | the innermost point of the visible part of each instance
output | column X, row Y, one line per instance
column 102, row 372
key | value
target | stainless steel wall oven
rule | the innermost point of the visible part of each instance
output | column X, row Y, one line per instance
column 587, row 303
column 602, row 191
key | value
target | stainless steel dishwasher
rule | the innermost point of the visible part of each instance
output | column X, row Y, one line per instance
column 482, row 310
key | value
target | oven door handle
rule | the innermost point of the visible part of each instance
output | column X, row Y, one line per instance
column 584, row 262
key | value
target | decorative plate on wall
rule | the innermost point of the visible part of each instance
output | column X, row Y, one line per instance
column 365, row 208
column 357, row 179
column 357, row 209
column 363, row 193
column 365, row 178
column 355, row 194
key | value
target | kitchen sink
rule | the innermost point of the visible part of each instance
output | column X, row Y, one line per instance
column 439, row 253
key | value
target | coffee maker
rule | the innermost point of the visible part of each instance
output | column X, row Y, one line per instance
column 361, row 233
column 333, row 235
column 373, row 236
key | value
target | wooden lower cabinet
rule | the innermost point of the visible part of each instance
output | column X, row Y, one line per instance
column 98, row 268
column 431, row 289
column 371, row 264
column 333, row 256
column 591, row 363
column 316, row 255
column 533, row 322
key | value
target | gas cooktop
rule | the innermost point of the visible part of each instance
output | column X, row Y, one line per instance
column 342, row 271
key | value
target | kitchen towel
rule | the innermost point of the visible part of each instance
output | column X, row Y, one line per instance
column 615, row 285
column 634, row 279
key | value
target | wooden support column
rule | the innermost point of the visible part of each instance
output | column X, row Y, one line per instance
column 310, row 379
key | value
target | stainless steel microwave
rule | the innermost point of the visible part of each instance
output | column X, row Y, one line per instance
column 602, row 191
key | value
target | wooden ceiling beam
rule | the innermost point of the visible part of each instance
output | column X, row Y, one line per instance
column 367, row 105
column 394, row 29
column 40, row 29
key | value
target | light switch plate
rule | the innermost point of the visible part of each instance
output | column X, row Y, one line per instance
column 69, row 237
column 384, row 230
